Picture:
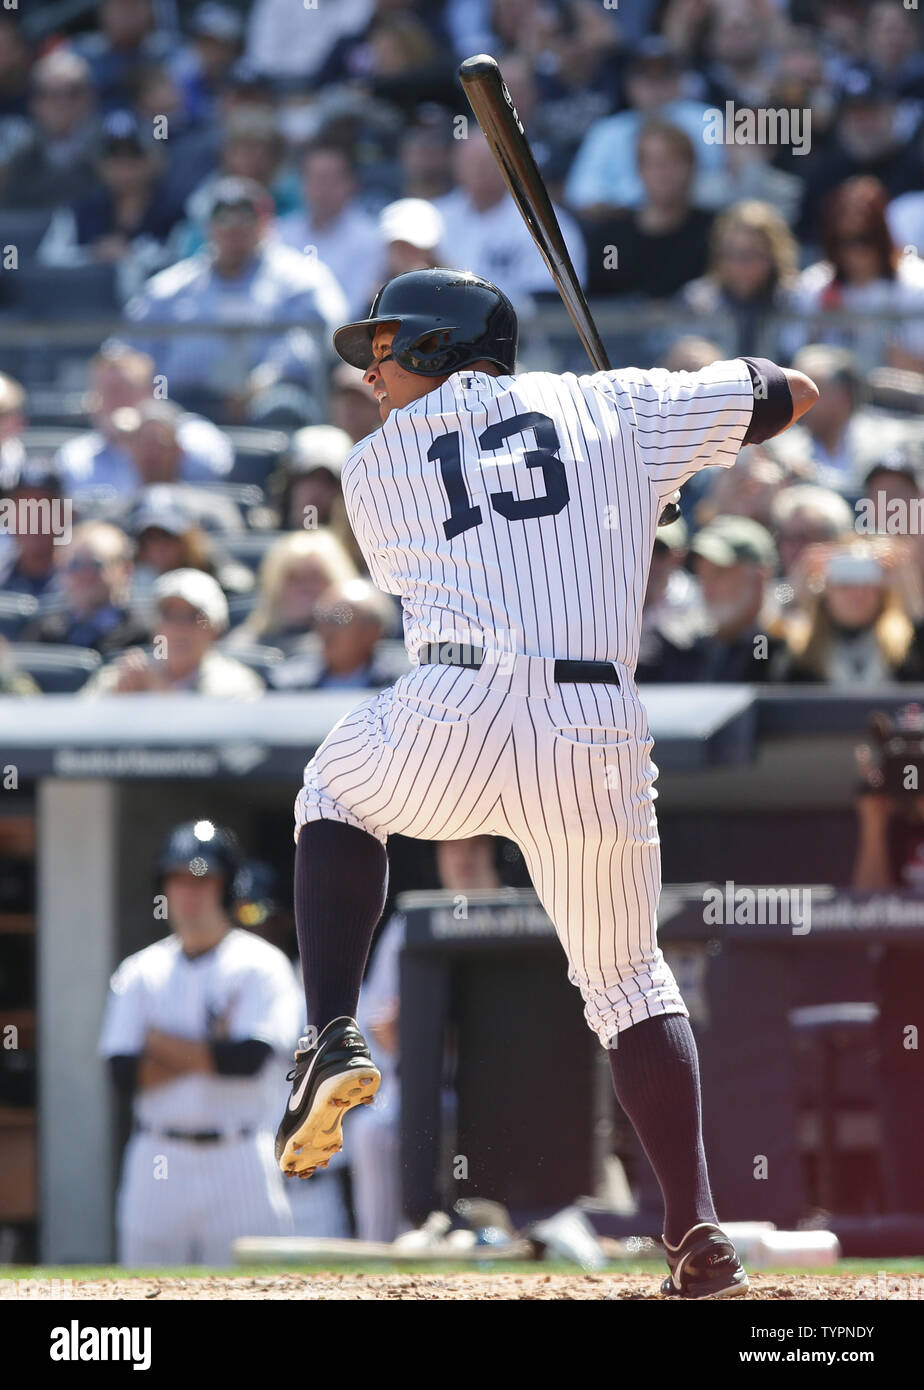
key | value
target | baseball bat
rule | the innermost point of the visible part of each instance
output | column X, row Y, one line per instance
column 493, row 106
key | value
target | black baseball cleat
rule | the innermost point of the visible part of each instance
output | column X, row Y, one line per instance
column 328, row 1080
column 704, row 1265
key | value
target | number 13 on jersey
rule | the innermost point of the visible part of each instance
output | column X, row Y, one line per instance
column 446, row 450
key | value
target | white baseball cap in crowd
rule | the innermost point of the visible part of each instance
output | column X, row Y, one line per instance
column 854, row 567
column 199, row 590
column 414, row 221
column 319, row 446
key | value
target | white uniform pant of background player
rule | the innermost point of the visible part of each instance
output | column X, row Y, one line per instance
column 563, row 770
column 181, row 1203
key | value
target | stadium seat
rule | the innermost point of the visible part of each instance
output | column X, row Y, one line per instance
column 256, row 452
column 57, row 670
column 82, row 292
column 24, row 229
column 240, row 606
column 250, row 546
column 46, row 439
column 261, row 659
column 15, row 612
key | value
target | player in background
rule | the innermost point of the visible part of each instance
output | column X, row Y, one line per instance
column 192, row 1024
column 515, row 518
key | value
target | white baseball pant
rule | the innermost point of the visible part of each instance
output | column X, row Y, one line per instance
column 181, row 1203
column 563, row 770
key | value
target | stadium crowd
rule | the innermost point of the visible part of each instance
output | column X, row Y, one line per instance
column 231, row 181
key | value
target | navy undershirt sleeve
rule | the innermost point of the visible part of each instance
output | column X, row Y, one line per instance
column 773, row 405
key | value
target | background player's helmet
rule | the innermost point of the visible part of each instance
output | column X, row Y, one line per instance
column 447, row 320
column 200, row 847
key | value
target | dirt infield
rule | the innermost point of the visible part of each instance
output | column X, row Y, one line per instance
column 445, row 1287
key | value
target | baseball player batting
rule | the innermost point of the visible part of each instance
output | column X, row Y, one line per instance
column 515, row 518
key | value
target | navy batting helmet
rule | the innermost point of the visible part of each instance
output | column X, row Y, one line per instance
column 447, row 319
column 200, row 848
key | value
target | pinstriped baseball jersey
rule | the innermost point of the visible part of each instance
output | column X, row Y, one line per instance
column 520, row 512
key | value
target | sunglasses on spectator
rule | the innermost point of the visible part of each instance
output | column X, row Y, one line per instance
column 233, row 214
column 84, row 565
column 65, row 92
column 752, row 253
column 187, row 617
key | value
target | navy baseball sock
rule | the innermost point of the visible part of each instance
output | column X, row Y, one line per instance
column 341, row 876
column 655, row 1069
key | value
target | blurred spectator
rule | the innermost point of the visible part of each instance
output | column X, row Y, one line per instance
column 242, row 278
column 741, row 49
column 425, row 153
column 805, row 520
column 413, row 234
column 672, row 616
column 100, row 463
column 295, row 572
column 28, row 565
column 866, row 141
column 287, row 41
column 350, row 619
column 95, row 580
column 166, row 538
column 333, row 226
column 605, row 170
column 205, row 507
column 905, row 216
column 564, row 78
column 216, row 32
column 190, row 152
column 734, row 560
column 833, row 428
column 15, row 61
column 802, row 83
column 753, row 258
column 401, row 56
column 152, row 433
column 306, row 487
column 126, row 220
column 657, row 248
column 748, row 489
column 183, row 528
column 250, row 146
column 855, row 630
column 863, row 271
column 488, row 234
column 191, row 613
column 893, row 478
column 56, row 164
column 12, row 680
column 352, row 406
column 893, row 48
column 126, row 39
column 691, row 354
column 12, row 424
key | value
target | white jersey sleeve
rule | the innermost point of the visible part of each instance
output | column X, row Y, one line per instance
column 126, row 1020
column 269, row 1007
column 682, row 421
